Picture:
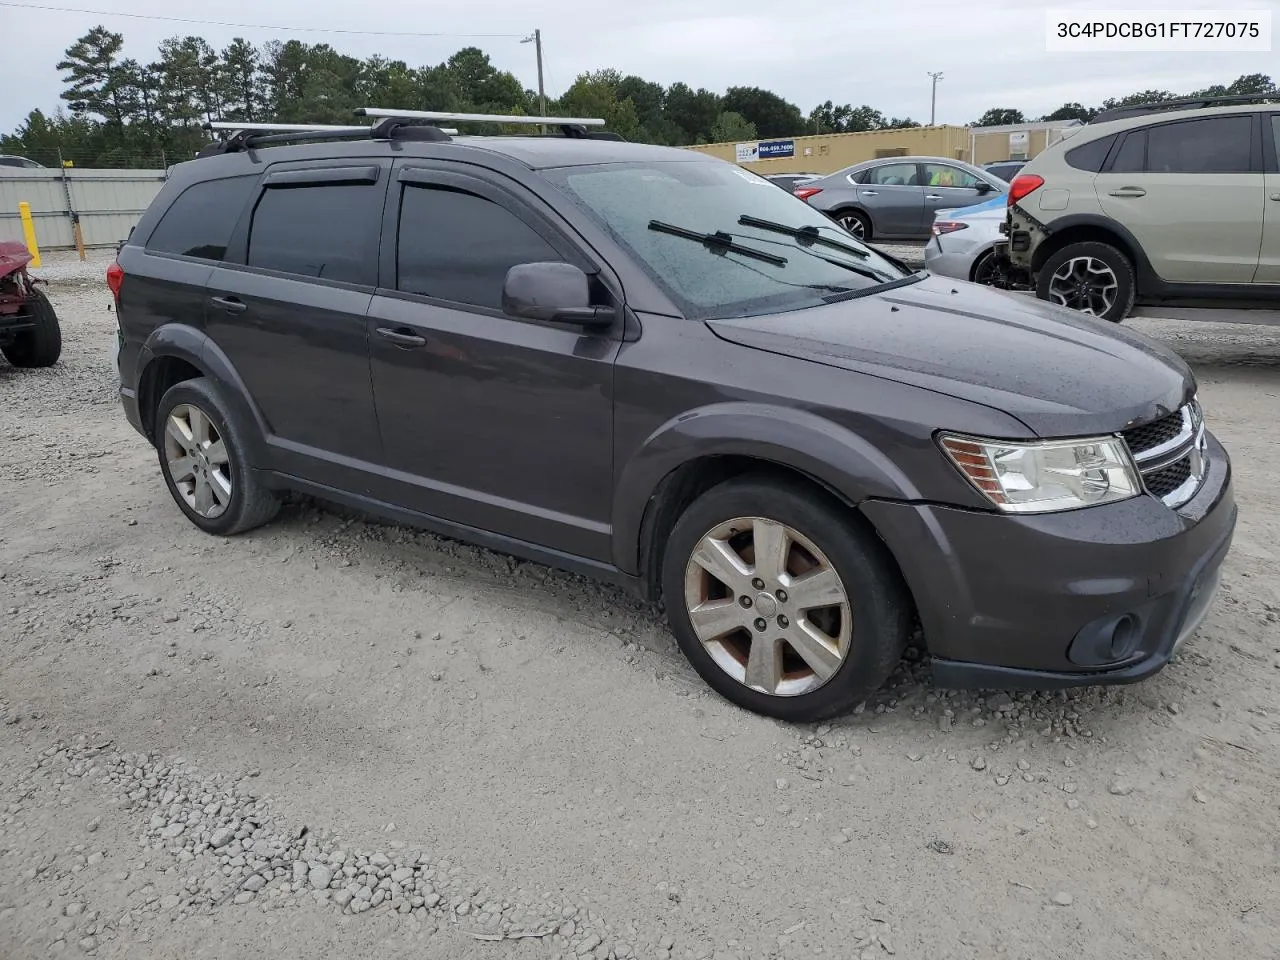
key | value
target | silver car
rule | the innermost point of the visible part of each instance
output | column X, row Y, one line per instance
column 965, row 242
column 895, row 198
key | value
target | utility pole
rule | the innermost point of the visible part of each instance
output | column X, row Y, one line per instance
column 536, row 40
column 933, row 99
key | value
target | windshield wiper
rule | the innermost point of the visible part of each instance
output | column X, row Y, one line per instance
column 807, row 233
column 718, row 241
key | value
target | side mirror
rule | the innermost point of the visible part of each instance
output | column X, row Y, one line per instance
column 554, row 293
column 983, row 188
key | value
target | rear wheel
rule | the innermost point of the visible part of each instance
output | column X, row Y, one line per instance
column 782, row 604
column 202, row 456
column 1091, row 277
column 856, row 222
column 988, row 271
column 42, row 344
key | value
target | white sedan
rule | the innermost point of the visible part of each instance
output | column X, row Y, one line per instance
column 964, row 241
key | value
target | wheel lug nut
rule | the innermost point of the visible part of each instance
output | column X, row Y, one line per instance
column 782, row 596
column 761, row 623
column 784, row 622
column 745, row 601
column 758, row 583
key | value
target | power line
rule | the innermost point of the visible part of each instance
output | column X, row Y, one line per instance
column 256, row 26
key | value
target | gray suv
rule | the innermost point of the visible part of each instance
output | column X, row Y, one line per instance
column 895, row 198
column 655, row 368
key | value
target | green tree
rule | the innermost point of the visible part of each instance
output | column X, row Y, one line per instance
column 692, row 112
column 901, row 123
column 732, row 127
column 999, row 117
column 771, row 115
column 649, row 100
column 95, row 83
column 240, row 82
column 596, row 95
column 1071, row 111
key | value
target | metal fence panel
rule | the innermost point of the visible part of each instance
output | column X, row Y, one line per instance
column 109, row 203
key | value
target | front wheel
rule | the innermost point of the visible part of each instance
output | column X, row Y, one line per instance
column 1091, row 277
column 41, row 345
column 781, row 603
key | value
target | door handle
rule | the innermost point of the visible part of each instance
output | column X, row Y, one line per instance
column 933, row 196
column 229, row 304
column 400, row 338
column 871, row 193
column 1275, row 196
column 1129, row 192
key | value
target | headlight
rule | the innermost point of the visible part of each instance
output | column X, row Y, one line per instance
column 1043, row 477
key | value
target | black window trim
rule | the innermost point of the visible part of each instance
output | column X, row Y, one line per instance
column 1270, row 136
column 316, row 173
column 187, row 258
column 1256, row 148
column 413, row 174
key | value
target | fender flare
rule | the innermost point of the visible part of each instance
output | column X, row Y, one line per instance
column 785, row 436
column 193, row 346
column 1146, row 275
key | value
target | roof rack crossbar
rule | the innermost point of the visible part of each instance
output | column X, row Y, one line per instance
column 246, row 135
column 233, row 125
column 1183, row 103
column 434, row 115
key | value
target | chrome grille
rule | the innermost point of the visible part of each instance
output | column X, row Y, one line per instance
column 1169, row 454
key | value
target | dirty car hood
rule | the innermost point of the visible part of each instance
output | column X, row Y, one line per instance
column 1061, row 373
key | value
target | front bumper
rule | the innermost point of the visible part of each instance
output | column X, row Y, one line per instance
column 1094, row 596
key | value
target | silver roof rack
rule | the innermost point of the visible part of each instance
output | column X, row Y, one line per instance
column 331, row 128
column 434, row 115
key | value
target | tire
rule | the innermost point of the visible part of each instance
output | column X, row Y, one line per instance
column 864, row 637
column 42, row 344
column 856, row 222
column 213, row 452
column 985, row 272
column 1054, row 280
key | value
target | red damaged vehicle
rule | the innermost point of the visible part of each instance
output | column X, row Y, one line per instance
column 29, row 331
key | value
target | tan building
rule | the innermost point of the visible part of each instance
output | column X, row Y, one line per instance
column 1017, row 141
column 827, row 153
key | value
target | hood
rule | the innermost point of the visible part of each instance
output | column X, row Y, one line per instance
column 1060, row 372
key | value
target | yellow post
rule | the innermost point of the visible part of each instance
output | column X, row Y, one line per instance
column 29, row 232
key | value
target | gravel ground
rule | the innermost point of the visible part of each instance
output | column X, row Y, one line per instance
column 333, row 734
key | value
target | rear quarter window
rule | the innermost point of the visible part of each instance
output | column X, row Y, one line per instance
column 200, row 221
column 1090, row 156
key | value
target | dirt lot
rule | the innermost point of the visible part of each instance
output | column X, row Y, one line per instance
column 336, row 736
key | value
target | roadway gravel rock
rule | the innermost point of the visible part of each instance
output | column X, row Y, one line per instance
column 203, row 742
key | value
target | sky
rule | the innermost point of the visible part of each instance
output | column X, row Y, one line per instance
column 991, row 52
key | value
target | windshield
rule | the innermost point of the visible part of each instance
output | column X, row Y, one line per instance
column 714, row 279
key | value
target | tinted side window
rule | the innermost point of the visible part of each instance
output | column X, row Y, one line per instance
column 1275, row 132
column 894, row 174
column 1132, row 156
column 200, row 221
column 1090, row 156
column 945, row 175
column 458, row 247
column 321, row 230
column 1211, row 145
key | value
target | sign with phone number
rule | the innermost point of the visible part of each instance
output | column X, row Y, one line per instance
column 765, row 150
